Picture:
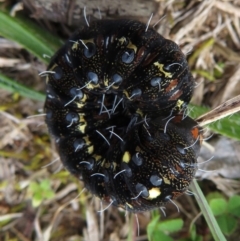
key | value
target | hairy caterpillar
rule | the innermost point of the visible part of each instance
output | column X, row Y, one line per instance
column 116, row 95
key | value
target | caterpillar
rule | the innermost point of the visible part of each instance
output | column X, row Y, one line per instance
column 116, row 96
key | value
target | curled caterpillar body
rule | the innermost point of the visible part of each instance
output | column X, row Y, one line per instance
column 115, row 95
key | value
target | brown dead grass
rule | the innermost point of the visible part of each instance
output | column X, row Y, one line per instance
column 208, row 31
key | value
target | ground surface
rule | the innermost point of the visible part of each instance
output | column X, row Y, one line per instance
column 208, row 32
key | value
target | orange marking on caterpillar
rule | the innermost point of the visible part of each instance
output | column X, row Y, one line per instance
column 195, row 133
column 176, row 95
column 173, row 83
column 178, row 119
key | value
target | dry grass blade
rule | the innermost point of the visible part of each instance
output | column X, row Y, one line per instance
column 227, row 7
column 48, row 231
column 5, row 62
column 92, row 224
column 231, row 85
column 227, row 108
column 10, row 216
column 199, row 17
column 228, row 53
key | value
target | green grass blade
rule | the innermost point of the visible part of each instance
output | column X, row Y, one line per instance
column 229, row 126
column 30, row 36
column 12, row 86
column 207, row 213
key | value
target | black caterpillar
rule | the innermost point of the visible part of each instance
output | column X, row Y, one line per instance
column 116, row 99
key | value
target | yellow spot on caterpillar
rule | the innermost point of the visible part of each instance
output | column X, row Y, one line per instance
column 132, row 46
column 114, row 166
column 81, row 103
column 91, row 40
column 106, row 81
column 83, row 124
column 126, row 157
column 179, row 104
column 97, row 157
column 122, row 40
column 75, row 46
column 154, row 192
column 91, row 86
column 139, row 112
column 103, row 162
column 82, row 118
column 126, row 93
column 90, row 148
column 160, row 67
column 82, row 128
column 166, row 180
column 84, row 98
column 129, row 205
